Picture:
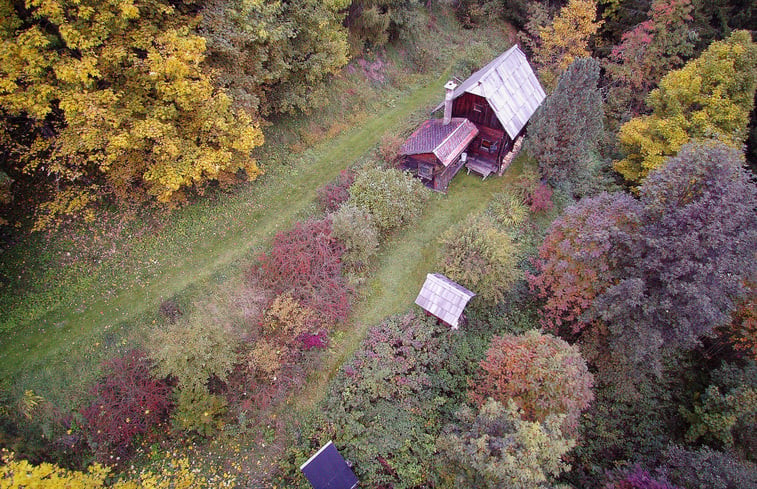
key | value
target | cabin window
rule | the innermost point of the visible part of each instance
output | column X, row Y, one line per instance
column 478, row 107
column 425, row 170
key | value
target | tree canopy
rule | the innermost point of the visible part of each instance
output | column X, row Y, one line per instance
column 494, row 447
column 650, row 50
column 699, row 233
column 542, row 374
column 566, row 128
column 118, row 102
column 565, row 39
column 710, row 97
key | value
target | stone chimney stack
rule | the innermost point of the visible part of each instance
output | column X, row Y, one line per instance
column 450, row 89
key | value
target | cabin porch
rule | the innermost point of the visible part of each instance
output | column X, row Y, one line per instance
column 481, row 166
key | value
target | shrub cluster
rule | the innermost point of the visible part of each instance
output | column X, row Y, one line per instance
column 286, row 325
column 126, row 402
column 194, row 350
column 394, row 198
column 306, row 262
column 481, row 257
column 353, row 227
column 333, row 194
column 379, row 409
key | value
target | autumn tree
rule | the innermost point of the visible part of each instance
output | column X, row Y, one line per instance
column 564, row 131
column 494, row 447
column 565, row 39
column 481, row 257
column 16, row 473
column 580, row 258
column 650, row 50
column 542, row 374
column 710, row 97
column 119, row 101
column 274, row 57
column 699, row 233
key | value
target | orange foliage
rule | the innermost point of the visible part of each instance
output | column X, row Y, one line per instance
column 743, row 327
column 542, row 374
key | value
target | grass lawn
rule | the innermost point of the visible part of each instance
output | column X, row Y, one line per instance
column 202, row 244
column 403, row 265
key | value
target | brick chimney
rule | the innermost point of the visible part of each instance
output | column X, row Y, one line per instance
column 450, row 89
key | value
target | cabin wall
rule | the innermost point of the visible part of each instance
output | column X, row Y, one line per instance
column 445, row 175
column 477, row 110
column 439, row 176
column 424, row 166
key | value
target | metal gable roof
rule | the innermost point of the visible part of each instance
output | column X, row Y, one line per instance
column 443, row 298
column 510, row 86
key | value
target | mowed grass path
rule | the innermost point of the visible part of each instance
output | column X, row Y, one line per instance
column 402, row 268
column 209, row 242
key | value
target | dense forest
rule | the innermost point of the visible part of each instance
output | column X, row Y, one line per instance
column 612, row 342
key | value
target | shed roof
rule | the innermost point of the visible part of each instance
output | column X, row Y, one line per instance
column 510, row 86
column 443, row 298
column 445, row 141
column 327, row 469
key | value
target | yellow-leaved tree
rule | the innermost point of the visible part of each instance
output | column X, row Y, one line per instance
column 565, row 39
column 175, row 473
column 119, row 102
column 709, row 98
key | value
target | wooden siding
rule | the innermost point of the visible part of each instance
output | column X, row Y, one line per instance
column 441, row 181
column 441, row 175
column 467, row 106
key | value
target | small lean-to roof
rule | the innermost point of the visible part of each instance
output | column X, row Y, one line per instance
column 443, row 298
column 445, row 141
column 326, row 469
column 510, row 86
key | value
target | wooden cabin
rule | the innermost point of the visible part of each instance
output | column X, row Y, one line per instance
column 498, row 100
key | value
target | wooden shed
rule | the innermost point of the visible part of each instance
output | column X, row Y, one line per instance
column 498, row 100
column 443, row 299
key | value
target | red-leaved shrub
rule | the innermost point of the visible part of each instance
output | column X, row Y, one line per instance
column 331, row 195
column 306, row 262
column 127, row 402
column 540, row 198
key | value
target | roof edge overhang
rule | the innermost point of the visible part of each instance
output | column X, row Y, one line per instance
column 452, row 156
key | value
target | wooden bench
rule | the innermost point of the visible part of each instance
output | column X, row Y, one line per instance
column 480, row 168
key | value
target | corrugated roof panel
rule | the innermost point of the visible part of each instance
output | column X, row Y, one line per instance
column 443, row 298
column 511, row 88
